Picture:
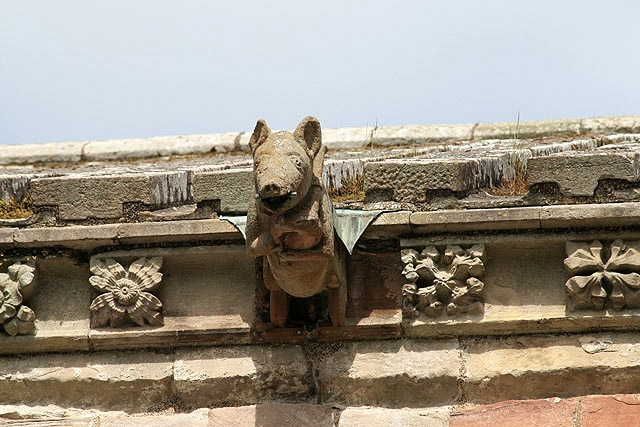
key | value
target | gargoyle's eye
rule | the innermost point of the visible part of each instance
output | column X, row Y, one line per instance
column 297, row 162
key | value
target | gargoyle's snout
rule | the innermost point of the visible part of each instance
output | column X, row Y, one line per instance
column 270, row 190
column 272, row 197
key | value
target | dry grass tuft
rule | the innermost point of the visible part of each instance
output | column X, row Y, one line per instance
column 16, row 210
column 352, row 189
column 517, row 184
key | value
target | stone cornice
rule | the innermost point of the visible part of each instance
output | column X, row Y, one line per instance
column 341, row 138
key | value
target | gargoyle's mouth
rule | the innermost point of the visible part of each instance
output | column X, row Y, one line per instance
column 277, row 203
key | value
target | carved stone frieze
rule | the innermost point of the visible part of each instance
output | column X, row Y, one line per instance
column 126, row 294
column 447, row 281
column 15, row 286
column 603, row 273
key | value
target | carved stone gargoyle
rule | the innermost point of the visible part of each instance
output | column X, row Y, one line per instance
column 291, row 222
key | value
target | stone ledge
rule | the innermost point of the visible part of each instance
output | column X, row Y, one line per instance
column 537, row 367
column 421, row 373
column 386, row 374
column 386, row 224
column 334, row 138
column 556, row 217
column 582, row 411
column 579, row 175
column 93, row 236
column 432, row 175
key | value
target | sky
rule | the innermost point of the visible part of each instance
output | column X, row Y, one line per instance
column 78, row 70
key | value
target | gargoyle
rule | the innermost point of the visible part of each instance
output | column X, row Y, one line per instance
column 291, row 222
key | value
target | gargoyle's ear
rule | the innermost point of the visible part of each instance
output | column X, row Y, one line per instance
column 260, row 134
column 309, row 131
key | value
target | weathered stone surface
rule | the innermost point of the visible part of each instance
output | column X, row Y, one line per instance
column 389, row 224
column 611, row 125
column 421, row 135
column 529, row 367
column 80, row 197
column 6, row 236
column 78, row 236
column 616, row 410
column 591, row 215
column 476, row 219
column 232, row 187
column 346, row 137
column 409, row 181
column 197, row 418
column 578, row 174
column 273, row 415
column 171, row 214
column 405, row 417
column 391, row 373
column 532, row 413
column 241, row 375
column 123, row 381
column 177, row 231
column 528, row 129
column 118, row 149
column 46, row 153
column 86, row 237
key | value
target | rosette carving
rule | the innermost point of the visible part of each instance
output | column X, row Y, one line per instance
column 126, row 296
column 446, row 282
column 15, row 317
column 603, row 273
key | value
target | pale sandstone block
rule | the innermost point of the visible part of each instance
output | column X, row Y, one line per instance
column 405, row 417
column 578, row 174
column 476, row 219
column 234, row 189
column 241, row 375
column 123, row 381
column 529, row 367
column 391, row 373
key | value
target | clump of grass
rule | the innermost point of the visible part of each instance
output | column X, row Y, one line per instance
column 14, row 209
column 515, row 185
column 352, row 189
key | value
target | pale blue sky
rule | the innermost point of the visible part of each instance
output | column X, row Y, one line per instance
column 89, row 70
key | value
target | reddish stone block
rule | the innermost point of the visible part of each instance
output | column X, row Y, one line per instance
column 620, row 410
column 525, row 413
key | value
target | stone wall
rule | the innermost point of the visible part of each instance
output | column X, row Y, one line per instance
column 488, row 264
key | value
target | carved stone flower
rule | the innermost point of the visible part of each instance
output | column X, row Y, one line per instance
column 448, row 281
column 126, row 294
column 10, row 298
column 15, row 318
column 603, row 273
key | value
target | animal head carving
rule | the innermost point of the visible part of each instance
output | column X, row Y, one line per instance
column 283, row 163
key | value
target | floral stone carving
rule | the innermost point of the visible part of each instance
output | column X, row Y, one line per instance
column 127, row 294
column 602, row 273
column 443, row 282
column 16, row 318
